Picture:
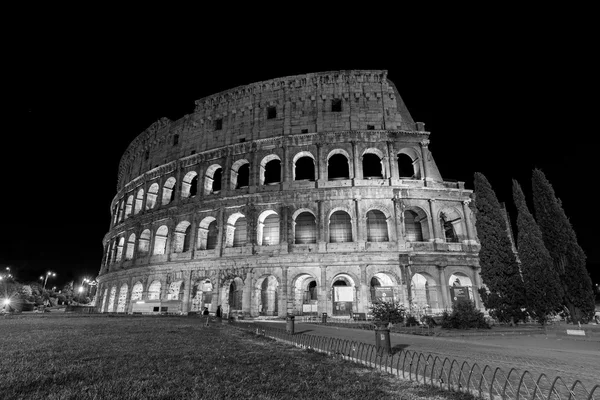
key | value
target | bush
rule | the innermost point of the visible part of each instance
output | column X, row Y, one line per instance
column 411, row 321
column 388, row 311
column 464, row 316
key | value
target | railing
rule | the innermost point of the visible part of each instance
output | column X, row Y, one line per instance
column 484, row 382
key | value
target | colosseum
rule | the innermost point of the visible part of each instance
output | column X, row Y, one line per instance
column 300, row 195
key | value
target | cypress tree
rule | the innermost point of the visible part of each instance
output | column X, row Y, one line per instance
column 568, row 257
column 542, row 284
column 505, row 292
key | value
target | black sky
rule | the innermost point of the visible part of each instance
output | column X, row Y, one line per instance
column 500, row 101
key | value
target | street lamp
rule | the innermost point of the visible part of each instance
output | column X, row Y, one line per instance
column 48, row 274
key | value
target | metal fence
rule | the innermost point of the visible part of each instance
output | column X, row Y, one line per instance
column 445, row 373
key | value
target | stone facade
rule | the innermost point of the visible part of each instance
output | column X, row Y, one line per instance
column 306, row 194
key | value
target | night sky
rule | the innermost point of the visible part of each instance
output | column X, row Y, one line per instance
column 497, row 104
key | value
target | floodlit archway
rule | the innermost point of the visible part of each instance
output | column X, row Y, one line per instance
column 305, row 294
column 304, row 166
column 415, row 225
column 129, row 206
column 266, row 296
column 154, row 290
column 182, row 237
column 168, row 194
column 338, row 166
column 111, row 300
column 201, row 295
column 212, row 179
column 424, row 293
column 235, row 294
column 343, row 295
column 122, row 298
column 372, row 164
column 268, row 228
column 377, row 227
column 144, row 242
column 160, row 240
column 270, row 170
column 340, row 227
column 151, row 196
column 240, row 174
column 382, row 287
column 130, row 247
column 189, row 185
column 305, row 228
column 139, row 200
column 175, row 289
column 208, row 233
column 137, row 291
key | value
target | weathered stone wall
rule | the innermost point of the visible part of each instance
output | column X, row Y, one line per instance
column 175, row 230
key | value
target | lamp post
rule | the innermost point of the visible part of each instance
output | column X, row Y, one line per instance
column 48, row 274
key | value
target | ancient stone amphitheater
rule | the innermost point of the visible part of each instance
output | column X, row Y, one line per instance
column 307, row 194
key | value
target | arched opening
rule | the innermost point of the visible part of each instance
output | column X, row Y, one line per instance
column 160, row 240
column 405, row 166
column 137, row 291
column 343, row 295
column 305, row 294
column 151, row 197
column 120, row 246
column 268, row 228
column 236, row 230
column 154, row 290
column 139, row 199
column 240, row 237
column 451, row 223
column 144, row 242
column 240, row 174
column 236, row 291
column 189, row 185
column 412, row 225
column 305, row 230
column 382, row 288
column 424, row 294
column 129, row 206
column 340, row 227
column 182, row 237
column 175, row 289
column 461, row 287
column 168, row 194
column 130, row 247
column 377, row 229
column 111, row 300
column 201, row 295
column 122, row 298
column 120, row 211
column 304, row 168
column 338, row 167
column 372, row 168
column 208, row 233
column 270, row 170
column 212, row 179
column 268, row 296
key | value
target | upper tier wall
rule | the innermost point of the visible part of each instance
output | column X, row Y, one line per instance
column 319, row 102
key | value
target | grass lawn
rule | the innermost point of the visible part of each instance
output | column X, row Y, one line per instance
column 127, row 357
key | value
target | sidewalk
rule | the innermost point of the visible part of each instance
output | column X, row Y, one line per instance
column 539, row 353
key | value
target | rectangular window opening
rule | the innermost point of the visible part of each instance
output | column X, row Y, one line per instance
column 218, row 124
column 271, row 112
column 175, row 140
column 371, row 127
column 336, row 105
column 304, row 131
column 242, row 140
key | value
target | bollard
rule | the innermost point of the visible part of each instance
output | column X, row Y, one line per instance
column 382, row 340
column 289, row 324
column 324, row 318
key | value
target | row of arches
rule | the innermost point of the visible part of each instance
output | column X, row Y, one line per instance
column 423, row 295
column 270, row 173
column 268, row 229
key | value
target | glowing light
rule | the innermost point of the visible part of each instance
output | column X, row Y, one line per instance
column 6, row 302
column 80, row 289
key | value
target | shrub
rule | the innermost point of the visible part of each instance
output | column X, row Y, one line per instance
column 411, row 321
column 464, row 316
column 385, row 311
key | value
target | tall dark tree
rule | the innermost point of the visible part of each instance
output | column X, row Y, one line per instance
column 542, row 283
column 504, row 294
column 567, row 255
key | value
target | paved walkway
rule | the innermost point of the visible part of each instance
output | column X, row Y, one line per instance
column 554, row 356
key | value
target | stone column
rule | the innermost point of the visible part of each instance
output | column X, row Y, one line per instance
column 222, row 231
column 187, row 289
column 424, row 155
column 324, row 305
column 437, row 237
column 128, row 305
column 284, row 305
column 193, row 234
column 321, row 223
column 284, row 166
column 393, row 162
column 145, row 194
column 247, row 294
column 283, row 226
column 468, row 222
column 477, row 282
column 164, row 288
column 359, row 230
column 319, row 175
column 363, row 305
column 355, row 161
column 446, row 303
column 399, row 221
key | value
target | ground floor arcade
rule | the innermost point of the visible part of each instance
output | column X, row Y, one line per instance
column 338, row 290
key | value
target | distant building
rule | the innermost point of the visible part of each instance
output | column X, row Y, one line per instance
column 305, row 194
